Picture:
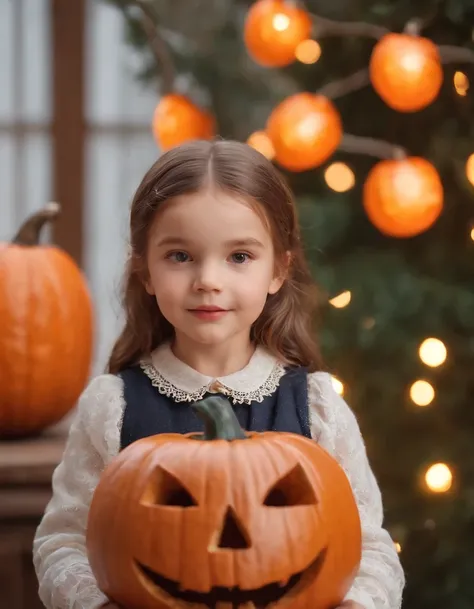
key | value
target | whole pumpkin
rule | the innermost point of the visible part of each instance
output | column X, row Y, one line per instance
column 224, row 519
column 46, row 330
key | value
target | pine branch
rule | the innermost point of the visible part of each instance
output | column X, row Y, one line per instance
column 367, row 145
column 453, row 54
column 324, row 27
column 327, row 27
column 348, row 84
column 158, row 45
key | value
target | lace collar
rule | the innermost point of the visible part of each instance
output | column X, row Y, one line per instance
column 177, row 380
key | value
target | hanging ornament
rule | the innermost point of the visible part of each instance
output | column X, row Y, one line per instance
column 305, row 130
column 406, row 71
column 273, row 30
column 403, row 198
column 177, row 120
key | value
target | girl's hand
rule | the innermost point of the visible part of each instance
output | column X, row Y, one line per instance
column 350, row 605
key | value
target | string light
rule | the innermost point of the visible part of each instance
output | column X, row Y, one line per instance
column 470, row 169
column 308, row 51
column 439, row 478
column 339, row 177
column 422, row 393
column 432, row 352
column 398, row 547
column 262, row 143
column 280, row 22
column 341, row 300
column 472, row 234
column 461, row 83
column 338, row 385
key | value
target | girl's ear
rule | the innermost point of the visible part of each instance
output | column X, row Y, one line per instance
column 149, row 287
column 144, row 276
column 282, row 272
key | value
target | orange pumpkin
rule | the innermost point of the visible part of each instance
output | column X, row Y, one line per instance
column 46, row 331
column 403, row 198
column 273, row 29
column 176, row 120
column 406, row 71
column 305, row 130
column 224, row 519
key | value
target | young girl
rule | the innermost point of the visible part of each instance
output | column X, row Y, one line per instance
column 218, row 299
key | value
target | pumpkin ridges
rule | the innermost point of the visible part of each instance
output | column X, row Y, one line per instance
column 12, row 333
column 345, row 550
column 300, row 561
column 59, row 377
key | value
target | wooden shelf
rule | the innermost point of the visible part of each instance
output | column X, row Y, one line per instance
column 26, row 468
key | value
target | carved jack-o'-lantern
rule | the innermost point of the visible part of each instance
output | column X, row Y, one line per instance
column 224, row 519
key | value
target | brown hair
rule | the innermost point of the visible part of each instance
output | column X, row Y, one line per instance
column 285, row 324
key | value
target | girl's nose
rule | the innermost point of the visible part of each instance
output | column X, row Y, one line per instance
column 208, row 278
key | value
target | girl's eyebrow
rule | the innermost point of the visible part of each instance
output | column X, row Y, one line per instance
column 179, row 241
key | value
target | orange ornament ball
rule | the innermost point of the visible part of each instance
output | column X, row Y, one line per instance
column 406, row 71
column 177, row 120
column 403, row 198
column 305, row 130
column 273, row 29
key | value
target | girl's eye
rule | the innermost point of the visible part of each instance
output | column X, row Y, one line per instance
column 178, row 256
column 240, row 257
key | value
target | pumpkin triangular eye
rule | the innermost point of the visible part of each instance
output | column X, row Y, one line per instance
column 294, row 488
column 165, row 489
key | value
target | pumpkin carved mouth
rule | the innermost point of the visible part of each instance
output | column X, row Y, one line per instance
column 259, row 597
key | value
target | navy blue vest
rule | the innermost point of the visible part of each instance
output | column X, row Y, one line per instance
column 148, row 412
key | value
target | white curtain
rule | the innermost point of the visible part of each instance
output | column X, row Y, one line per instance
column 120, row 148
column 25, row 111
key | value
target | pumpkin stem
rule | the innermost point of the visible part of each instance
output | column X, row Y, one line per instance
column 29, row 232
column 220, row 420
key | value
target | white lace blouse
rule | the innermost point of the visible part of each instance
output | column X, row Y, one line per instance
column 60, row 558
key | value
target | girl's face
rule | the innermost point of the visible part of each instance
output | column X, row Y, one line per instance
column 211, row 265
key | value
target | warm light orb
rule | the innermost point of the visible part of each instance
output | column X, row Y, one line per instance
column 398, row 547
column 470, row 169
column 433, row 352
column 341, row 300
column 280, row 22
column 273, row 30
column 339, row 177
column 406, row 71
column 338, row 385
column 422, row 393
column 461, row 83
column 262, row 143
column 305, row 130
column 439, row 478
column 308, row 51
column 403, row 197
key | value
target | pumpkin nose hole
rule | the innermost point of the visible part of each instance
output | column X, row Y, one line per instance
column 233, row 535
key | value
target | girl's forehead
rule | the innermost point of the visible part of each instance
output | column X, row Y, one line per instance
column 216, row 213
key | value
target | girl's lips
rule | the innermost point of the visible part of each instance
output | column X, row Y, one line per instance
column 208, row 313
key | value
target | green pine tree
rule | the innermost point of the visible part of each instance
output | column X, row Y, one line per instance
column 403, row 290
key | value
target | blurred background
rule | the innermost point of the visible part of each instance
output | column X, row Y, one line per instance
column 79, row 86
